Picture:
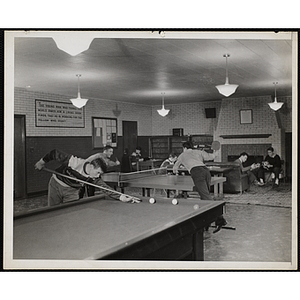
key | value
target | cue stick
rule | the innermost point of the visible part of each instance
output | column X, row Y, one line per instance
column 224, row 227
column 89, row 183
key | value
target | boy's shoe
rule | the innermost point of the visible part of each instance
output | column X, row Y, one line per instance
column 219, row 223
column 275, row 185
column 258, row 183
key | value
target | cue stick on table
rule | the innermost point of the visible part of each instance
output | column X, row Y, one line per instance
column 224, row 227
column 89, row 183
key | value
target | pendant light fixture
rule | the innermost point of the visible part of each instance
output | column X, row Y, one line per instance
column 79, row 102
column 163, row 112
column 73, row 43
column 275, row 105
column 227, row 89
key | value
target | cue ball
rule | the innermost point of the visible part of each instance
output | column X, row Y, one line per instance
column 152, row 200
column 196, row 206
column 174, row 202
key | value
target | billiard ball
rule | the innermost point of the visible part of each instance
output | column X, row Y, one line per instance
column 151, row 200
column 196, row 206
column 174, row 201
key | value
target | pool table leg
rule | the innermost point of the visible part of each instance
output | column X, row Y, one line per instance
column 221, row 190
column 216, row 190
column 146, row 192
column 198, row 245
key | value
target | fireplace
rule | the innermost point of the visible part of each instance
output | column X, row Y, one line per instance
column 256, row 152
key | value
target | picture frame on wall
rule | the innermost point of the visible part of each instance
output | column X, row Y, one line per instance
column 104, row 132
column 246, row 116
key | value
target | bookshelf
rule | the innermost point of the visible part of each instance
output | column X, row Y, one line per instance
column 162, row 146
column 159, row 147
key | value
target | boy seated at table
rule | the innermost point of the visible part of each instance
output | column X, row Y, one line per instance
column 169, row 161
column 136, row 157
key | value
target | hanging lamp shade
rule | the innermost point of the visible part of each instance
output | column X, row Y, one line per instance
column 73, row 43
column 226, row 89
column 275, row 105
column 79, row 102
column 163, row 112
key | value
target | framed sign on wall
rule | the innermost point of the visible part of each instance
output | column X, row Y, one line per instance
column 104, row 132
column 246, row 116
column 58, row 114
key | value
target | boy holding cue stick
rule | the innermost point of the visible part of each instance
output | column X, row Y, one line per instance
column 193, row 160
column 62, row 188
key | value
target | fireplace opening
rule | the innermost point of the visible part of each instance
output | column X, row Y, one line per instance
column 231, row 152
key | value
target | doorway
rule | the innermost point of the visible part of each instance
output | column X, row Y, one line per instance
column 19, row 158
column 129, row 135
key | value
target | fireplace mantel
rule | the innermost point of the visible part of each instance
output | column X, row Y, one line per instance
column 246, row 136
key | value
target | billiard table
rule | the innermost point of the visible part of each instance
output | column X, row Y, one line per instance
column 100, row 228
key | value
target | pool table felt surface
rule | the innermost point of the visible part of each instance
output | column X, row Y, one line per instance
column 98, row 227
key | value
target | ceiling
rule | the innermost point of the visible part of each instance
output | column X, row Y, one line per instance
column 139, row 69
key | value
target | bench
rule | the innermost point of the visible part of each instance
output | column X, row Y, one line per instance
column 236, row 182
column 216, row 183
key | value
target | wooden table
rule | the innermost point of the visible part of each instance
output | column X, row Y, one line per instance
column 166, row 181
column 214, row 170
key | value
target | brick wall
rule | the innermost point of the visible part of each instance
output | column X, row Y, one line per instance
column 191, row 117
column 78, row 141
column 285, row 113
column 24, row 103
column 265, row 121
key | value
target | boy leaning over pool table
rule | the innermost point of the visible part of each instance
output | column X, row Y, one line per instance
column 62, row 189
column 193, row 160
